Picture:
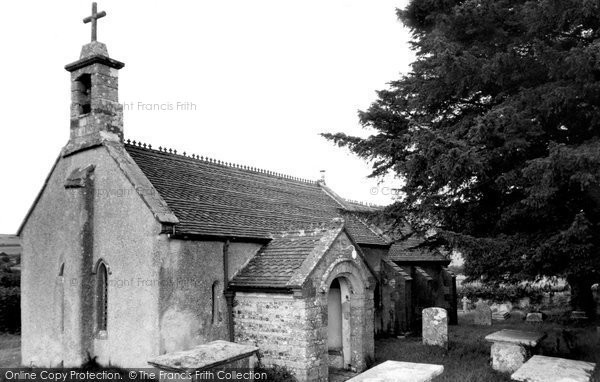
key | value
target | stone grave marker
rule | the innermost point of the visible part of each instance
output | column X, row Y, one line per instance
column 465, row 304
column 524, row 302
column 483, row 314
column 500, row 315
column 511, row 348
column 395, row 371
column 435, row 327
column 579, row 315
column 551, row 369
column 534, row 317
column 202, row 360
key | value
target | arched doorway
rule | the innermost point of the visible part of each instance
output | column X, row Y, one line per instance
column 338, row 324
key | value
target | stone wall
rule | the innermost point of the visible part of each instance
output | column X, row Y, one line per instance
column 288, row 331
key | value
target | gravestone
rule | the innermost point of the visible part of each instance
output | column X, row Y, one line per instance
column 483, row 314
column 503, row 307
column 524, row 302
column 435, row 327
column 465, row 304
column 500, row 315
column 579, row 315
column 551, row 369
column 395, row 371
column 534, row 317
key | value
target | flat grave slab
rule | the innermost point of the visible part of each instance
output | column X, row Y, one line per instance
column 511, row 348
column 517, row 337
column 395, row 371
column 552, row 369
column 216, row 355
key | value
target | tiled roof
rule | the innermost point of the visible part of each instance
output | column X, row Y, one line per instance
column 409, row 250
column 217, row 199
column 278, row 261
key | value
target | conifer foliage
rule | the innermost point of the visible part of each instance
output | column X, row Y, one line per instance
column 496, row 133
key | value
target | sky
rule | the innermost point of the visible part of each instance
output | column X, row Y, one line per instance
column 253, row 83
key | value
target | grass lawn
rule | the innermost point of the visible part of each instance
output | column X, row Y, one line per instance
column 10, row 350
column 468, row 358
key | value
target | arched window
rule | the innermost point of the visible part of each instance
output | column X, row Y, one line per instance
column 101, row 296
column 61, row 296
column 216, row 311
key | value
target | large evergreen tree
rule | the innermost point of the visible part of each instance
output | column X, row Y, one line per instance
column 496, row 133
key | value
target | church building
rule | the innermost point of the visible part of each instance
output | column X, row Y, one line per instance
column 132, row 251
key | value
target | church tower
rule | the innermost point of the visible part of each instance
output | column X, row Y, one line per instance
column 96, row 115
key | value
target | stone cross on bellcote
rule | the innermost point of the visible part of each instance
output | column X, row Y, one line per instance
column 96, row 114
column 94, row 19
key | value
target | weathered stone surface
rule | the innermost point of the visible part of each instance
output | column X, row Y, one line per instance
column 291, row 330
column 483, row 314
column 203, row 357
column 552, row 369
column 394, row 371
column 507, row 357
column 534, row 317
column 511, row 348
column 518, row 337
column 93, row 48
column 465, row 304
column 435, row 327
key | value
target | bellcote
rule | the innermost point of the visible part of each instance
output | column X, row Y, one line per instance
column 96, row 115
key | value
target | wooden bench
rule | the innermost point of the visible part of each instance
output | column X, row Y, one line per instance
column 511, row 348
column 395, row 371
column 551, row 369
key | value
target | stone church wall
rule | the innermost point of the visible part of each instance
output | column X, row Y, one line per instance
column 288, row 330
column 192, row 275
column 189, row 272
column 58, row 314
